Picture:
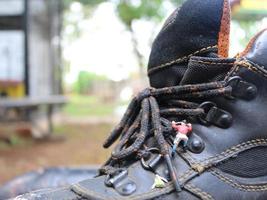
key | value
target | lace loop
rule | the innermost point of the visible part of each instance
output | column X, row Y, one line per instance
column 143, row 119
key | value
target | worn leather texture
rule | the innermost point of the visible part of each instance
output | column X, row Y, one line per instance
column 192, row 29
column 257, row 50
column 199, row 173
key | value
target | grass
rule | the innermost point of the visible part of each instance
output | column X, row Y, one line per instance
column 15, row 140
column 88, row 106
column 82, row 146
column 82, row 141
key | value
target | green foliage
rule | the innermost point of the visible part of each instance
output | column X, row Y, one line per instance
column 85, row 106
column 128, row 11
column 250, row 29
column 86, row 3
column 85, row 82
column 177, row 2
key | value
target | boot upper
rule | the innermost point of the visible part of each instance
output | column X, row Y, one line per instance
column 197, row 28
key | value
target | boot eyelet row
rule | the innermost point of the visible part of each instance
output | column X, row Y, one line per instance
column 242, row 89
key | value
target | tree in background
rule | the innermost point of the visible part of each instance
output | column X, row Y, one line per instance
column 87, row 9
column 128, row 12
column 248, row 16
column 85, row 81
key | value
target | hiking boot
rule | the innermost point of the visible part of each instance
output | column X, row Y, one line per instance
column 198, row 132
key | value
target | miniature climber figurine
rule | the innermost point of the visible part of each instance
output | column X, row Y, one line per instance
column 182, row 130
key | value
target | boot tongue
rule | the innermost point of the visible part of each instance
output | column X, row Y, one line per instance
column 256, row 50
column 202, row 70
column 197, row 28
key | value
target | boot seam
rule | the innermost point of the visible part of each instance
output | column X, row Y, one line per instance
column 212, row 62
column 81, row 191
column 197, row 191
column 185, row 175
column 231, row 151
column 201, row 166
column 233, row 183
column 178, row 60
column 246, row 64
column 151, row 194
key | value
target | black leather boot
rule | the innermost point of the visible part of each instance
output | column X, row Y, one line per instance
column 199, row 132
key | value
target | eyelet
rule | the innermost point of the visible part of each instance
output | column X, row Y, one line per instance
column 214, row 115
column 195, row 144
column 111, row 180
column 127, row 188
column 206, row 106
column 151, row 163
column 121, row 183
column 251, row 92
column 242, row 89
column 233, row 81
column 225, row 120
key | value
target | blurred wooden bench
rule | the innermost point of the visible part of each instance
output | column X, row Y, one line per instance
column 34, row 110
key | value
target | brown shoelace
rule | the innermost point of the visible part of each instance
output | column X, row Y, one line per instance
column 145, row 117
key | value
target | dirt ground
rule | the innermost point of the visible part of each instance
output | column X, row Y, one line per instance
column 82, row 146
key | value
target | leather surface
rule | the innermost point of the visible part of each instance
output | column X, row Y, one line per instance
column 257, row 51
column 184, row 34
column 221, row 190
column 247, row 115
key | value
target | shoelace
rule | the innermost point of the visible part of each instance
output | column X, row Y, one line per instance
column 145, row 117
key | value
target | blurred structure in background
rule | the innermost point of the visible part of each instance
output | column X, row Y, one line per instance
column 12, row 50
column 30, row 48
column 249, row 17
column 30, row 54
column 248, row 10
